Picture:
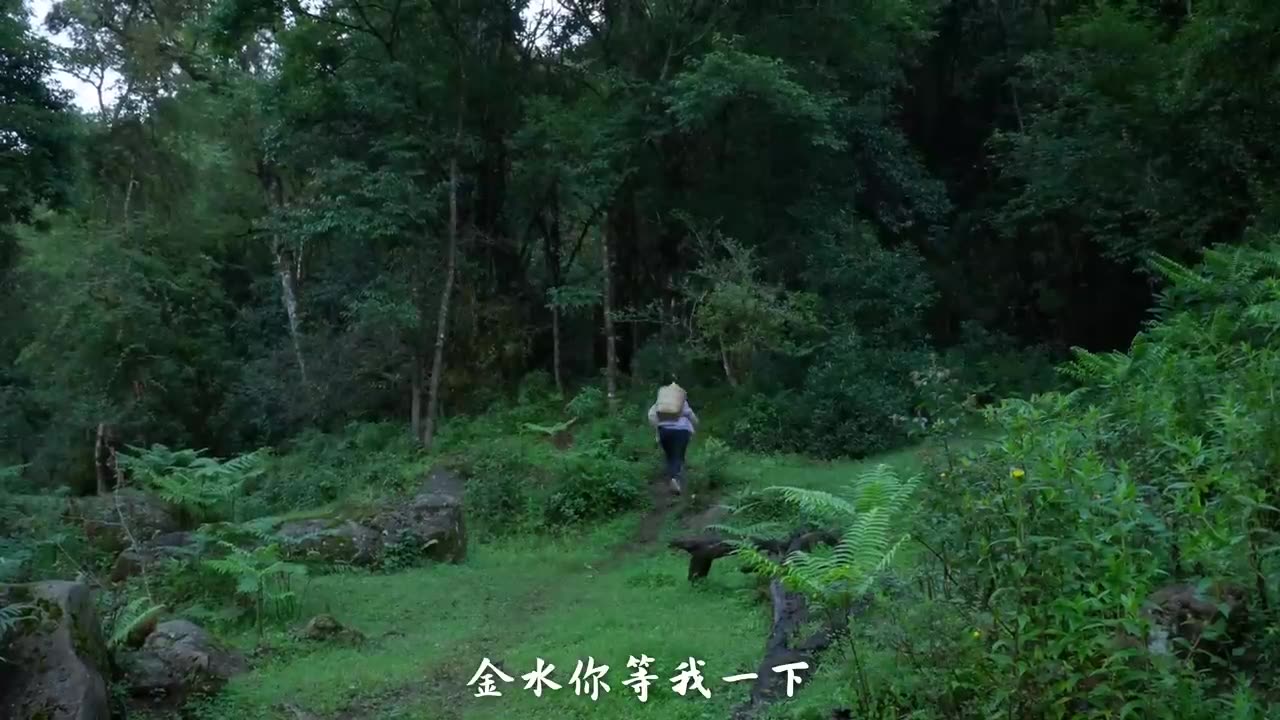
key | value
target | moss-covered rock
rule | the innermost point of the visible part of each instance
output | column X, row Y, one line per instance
column 145, row 516
column 179, row 658
column 330, row 540
column 57, row 660
column 432, row 519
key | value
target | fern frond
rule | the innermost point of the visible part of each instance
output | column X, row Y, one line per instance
column 813, row 502
column 1177, row 273
column 137, row 613
column 768, row 528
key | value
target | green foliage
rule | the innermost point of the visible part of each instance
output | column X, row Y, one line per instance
column 846, row 408
column 589, row 402
column 317, row 468
column 261, row 580
column 993, row 365
column 204, row 488
column 548, row 430
column 1157, row 470
column 865, row 515
column 514, row 486
column 735, row 315
column 12, row 617
column 127, row 619
column 709, row 464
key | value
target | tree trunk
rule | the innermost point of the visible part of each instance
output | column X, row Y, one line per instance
column 451, row 262
column 101, row 459
column 273, row 186
column 555, row 348
column 728, row 369
column 610, row 342
column 415, row 398
column 289, row 293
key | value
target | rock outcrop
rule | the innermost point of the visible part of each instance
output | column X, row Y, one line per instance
column 99, row 515
column 137, row 559
column 330, row 540
column 429, row 524
column 57, row 659
column 177, row 659
column 431, row 520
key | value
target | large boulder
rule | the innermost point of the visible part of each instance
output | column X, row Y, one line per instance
column 147, row 516
column 56, row 660
column 427, row 524
column 330, row 540
column 431, row 520
column 177, row 659
column 153, row 553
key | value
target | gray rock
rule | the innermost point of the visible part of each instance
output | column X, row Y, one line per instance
column 179, row 658
column 330, row 540
column 432, row 519
column 56, row 662
column 1180, row 616
column 147, row 516
column 430, row 523
column 156, row 552
column 326, row 628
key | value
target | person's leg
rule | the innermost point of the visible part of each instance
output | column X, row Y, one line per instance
column 680, row 444
column 666, row 438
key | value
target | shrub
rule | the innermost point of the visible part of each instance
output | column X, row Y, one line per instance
column 708, row 464
column 316, row 468
column 524, row 483
column 992, row 364
column 588, row 403
column 202, row 488
column 1160, row 469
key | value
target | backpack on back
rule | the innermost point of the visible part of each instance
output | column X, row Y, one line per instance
column 671, row 401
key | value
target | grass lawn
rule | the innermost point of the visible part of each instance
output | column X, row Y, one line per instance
column 518, row 600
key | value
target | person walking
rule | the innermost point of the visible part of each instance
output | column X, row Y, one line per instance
column 675, row 422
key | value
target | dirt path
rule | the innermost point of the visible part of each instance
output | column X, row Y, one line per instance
column 443, row 683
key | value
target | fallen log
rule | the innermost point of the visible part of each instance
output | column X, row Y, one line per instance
column 706, row 549
column 790, row 613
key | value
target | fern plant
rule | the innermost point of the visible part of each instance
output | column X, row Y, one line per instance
column 833, row 580
column 11, row 618
column 262, row 579
column 127, row 620
column 866, row 512
column 548, row 430
column 198, row 485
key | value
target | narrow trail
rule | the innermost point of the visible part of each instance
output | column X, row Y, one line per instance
column 443, row 683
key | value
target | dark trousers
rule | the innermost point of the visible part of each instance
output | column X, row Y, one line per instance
column 674, row 443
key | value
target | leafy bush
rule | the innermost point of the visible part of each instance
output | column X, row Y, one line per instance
column 588, row 403
column 203, row 488
column 1160, row 469
column 708, row 464
column 36, row 540
column 262, row 580
column 13, row 616
column 515, row 485
column 995, row 365
column 845, row 408
column 316, row 468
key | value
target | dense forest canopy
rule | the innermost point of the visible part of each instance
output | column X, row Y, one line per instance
column 296, row 214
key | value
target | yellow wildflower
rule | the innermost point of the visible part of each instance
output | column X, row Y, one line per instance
column 1017, row 473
